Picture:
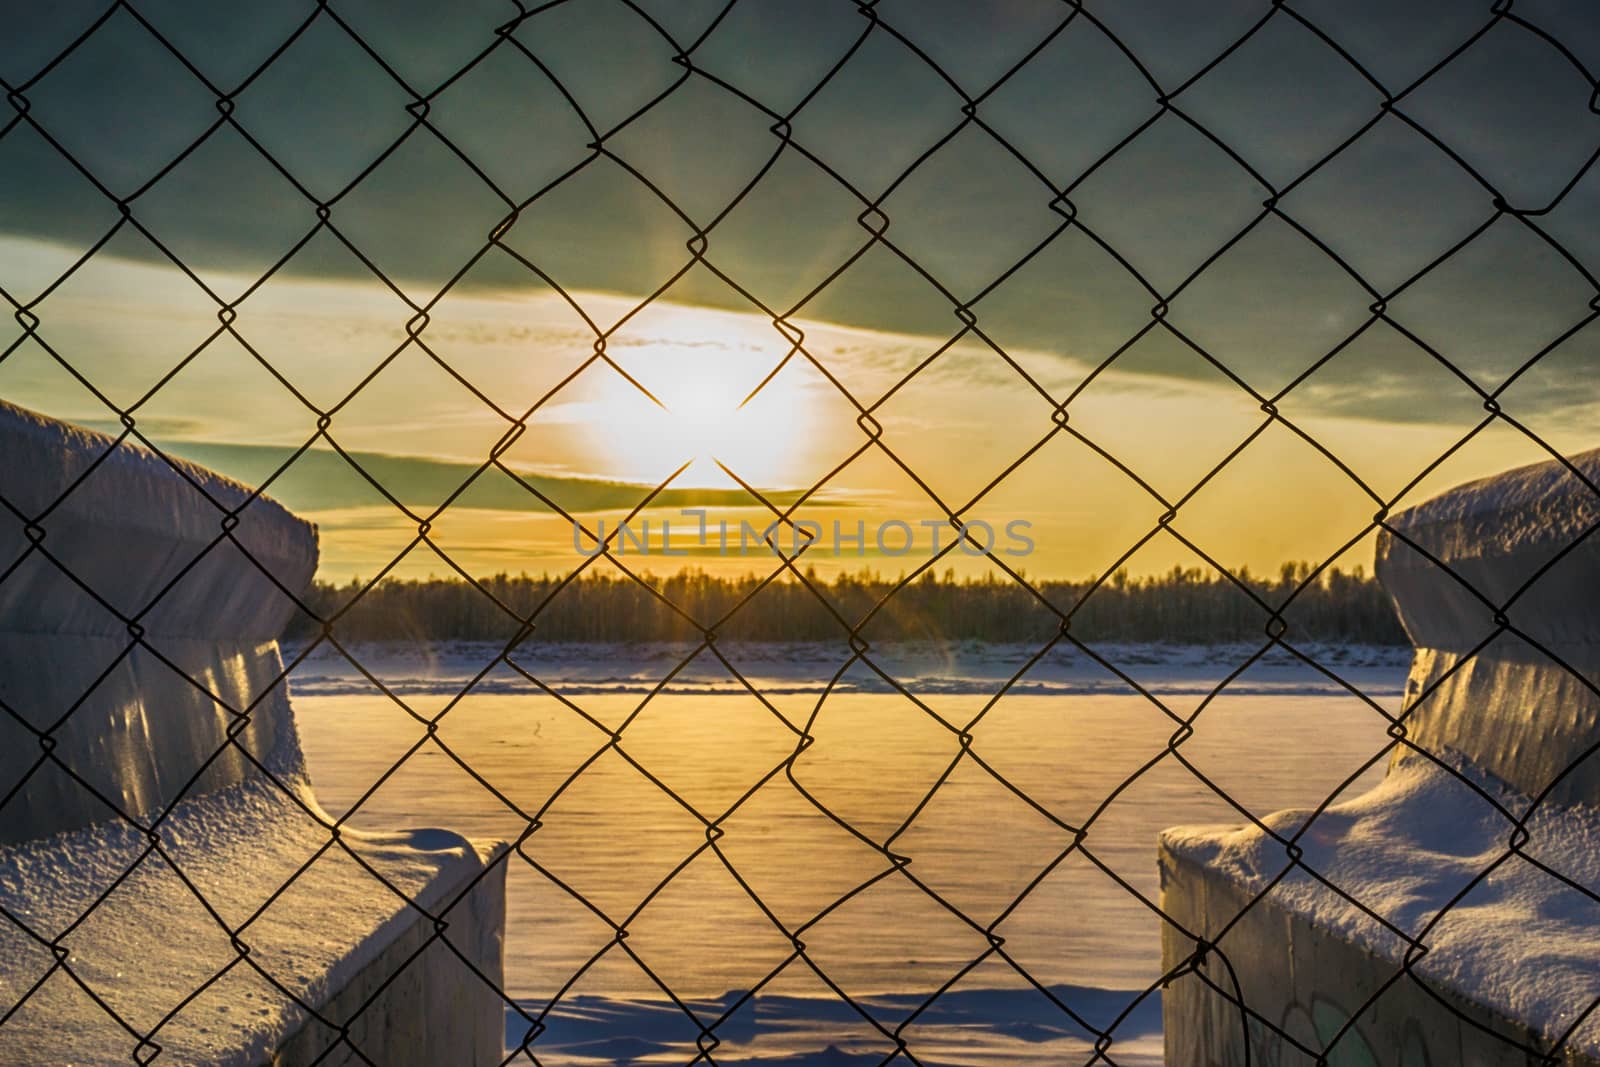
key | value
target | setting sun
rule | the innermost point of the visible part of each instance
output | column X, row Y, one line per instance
column 700, row 404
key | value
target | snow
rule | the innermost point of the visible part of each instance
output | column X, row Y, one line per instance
column 146, row 715
column 150, row 944
column 965, row 1027
column 1506, row 710
column 1521, row 941
column 1505, row 512
column 1495, row 535
column 1514, row 714
column 131, row 523
column 138, row 622
column 1515, row 696
column 791, row 668
column 1095, row 945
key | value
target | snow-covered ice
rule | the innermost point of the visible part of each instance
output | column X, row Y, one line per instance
column 792, row 668
column 1280, row 734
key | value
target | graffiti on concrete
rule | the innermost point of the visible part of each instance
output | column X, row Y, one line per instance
column 1325, row 1026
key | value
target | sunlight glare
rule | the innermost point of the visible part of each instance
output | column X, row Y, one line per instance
column 701, row 417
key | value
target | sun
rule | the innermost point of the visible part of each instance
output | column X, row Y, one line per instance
column 707, row 418
column 711, row 402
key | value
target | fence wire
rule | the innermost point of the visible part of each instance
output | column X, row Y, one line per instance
column 1207, row 962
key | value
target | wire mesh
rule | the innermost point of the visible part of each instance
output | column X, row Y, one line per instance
column 1165, row 101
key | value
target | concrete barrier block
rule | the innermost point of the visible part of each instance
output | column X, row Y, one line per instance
column 1387, row 943
column 160, row 842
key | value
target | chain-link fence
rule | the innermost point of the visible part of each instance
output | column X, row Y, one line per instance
column 1258, row 129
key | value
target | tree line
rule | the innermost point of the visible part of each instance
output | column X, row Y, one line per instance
column 1183, row 606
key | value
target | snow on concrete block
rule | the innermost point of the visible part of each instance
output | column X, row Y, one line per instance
column 139, row 618
column 1403, row 927
column 1495, row 535
column 140, row 677
column 126, row 523
column 1496, row 582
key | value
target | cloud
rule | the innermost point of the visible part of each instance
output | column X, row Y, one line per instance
column 322, row 480
column 1166, row 201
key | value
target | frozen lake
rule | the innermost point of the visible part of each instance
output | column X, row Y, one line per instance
column 1070, row 747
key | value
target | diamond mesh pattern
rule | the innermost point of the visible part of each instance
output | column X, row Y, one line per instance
column 950, row 111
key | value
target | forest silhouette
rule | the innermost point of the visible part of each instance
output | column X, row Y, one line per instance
column 1181, row 606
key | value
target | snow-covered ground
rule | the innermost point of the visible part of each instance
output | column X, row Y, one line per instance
column 964, row 1028
column 445, row 667
column 612, row 847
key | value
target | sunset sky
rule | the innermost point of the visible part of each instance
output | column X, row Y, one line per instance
column 999, row 348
